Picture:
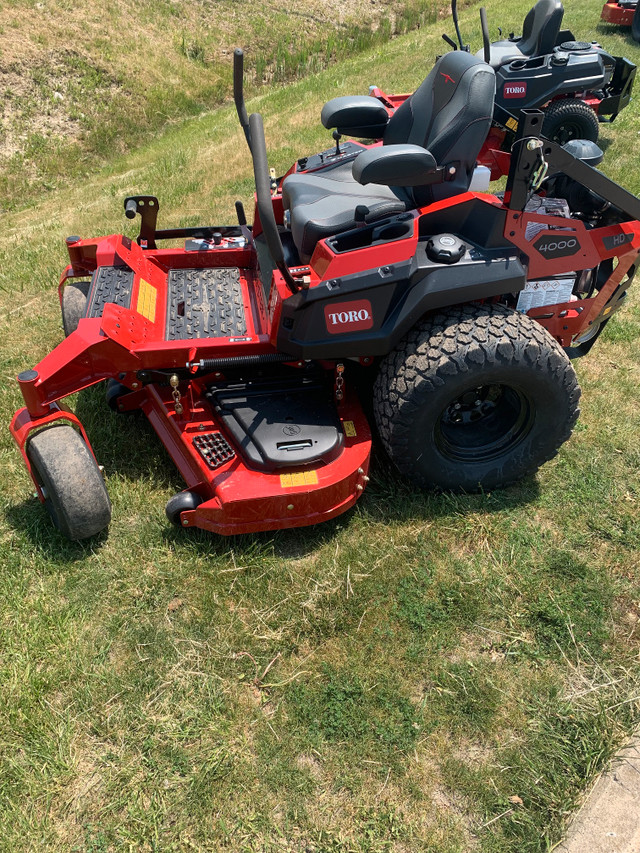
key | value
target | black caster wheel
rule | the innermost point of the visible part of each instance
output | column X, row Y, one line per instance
column 180, row 503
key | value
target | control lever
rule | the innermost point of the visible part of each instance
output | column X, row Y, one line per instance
column 242, row 216
column 147, row 206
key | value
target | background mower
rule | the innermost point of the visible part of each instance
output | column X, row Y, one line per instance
column 370, row 269
column 576, row 84
column 624, row 13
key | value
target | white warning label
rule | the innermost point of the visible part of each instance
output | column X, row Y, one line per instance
column 551, row 291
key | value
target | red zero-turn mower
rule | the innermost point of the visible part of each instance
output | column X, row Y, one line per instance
column 576, row 84
column 624, row 13
column 245, row 349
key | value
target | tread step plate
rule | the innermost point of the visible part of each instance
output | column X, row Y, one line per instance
column 110, row 284
column 205, row 303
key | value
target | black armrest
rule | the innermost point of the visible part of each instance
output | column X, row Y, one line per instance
column 355, row 115
column 397, row 165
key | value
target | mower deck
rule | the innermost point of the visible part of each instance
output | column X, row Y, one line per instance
column 239, row 497
column 618, row 13
column 267, row 453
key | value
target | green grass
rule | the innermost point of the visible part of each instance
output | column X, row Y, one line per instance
column 384, row 682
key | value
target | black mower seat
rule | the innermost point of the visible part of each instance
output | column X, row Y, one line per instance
column 325, row 203
column 540, row 32
column 444, row 123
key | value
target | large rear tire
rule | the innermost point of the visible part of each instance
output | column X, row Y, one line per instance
column 74, row 490
column 569, row 119
column 635, row 24
column 474, row 398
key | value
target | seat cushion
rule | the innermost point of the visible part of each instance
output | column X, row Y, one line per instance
column 324, row 203
column 502, row 52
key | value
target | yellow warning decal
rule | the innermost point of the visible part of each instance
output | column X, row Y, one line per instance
column 512, row 124
column 300, row 478
column 349, row 429
column 147, row 298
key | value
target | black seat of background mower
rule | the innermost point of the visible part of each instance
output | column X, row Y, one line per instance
column 449, row 115
column 540, row 32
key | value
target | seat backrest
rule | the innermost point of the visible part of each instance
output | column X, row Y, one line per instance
column 449, row 114
column 541, row 27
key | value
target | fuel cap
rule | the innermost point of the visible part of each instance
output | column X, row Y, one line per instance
column 576, row 45
column 445, row 248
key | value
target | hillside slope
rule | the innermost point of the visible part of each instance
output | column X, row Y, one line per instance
column 83, row 82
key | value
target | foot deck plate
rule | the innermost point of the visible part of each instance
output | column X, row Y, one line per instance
column 110, row 284
column 205, row 303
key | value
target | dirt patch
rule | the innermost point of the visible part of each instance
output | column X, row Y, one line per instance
column 50, row 54
column 311, row 765
column 41, row 100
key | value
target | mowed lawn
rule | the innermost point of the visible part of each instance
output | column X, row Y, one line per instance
column 426, row 673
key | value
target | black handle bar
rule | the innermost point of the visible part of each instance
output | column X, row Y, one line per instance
column 485, row 35
column 238, row 94
column 263, row 194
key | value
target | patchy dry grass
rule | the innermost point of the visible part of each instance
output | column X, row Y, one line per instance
column 426, row 673
column 81, row 82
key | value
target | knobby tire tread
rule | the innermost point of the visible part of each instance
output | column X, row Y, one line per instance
column 447, row 345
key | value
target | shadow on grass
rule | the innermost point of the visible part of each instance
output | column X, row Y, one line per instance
column 606, row 29
column 389, row 498
column 603, row 141
column 125, row 444
column 31, row 519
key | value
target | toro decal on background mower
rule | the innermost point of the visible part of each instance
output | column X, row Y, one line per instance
column 407, row 298
column 514, row 90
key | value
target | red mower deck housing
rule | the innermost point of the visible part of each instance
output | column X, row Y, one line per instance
column 619, row 13
column 623, row 13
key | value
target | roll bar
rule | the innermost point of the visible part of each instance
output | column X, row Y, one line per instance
column 454, row 15
column 263, row 195
column 238, row 94
column 486, row 44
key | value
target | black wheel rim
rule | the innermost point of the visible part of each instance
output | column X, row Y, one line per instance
column 484, row 423
column 567, row 131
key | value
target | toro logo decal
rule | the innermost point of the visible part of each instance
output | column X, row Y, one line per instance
column 514, row 90
column 557, row 247
column 343, row 317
